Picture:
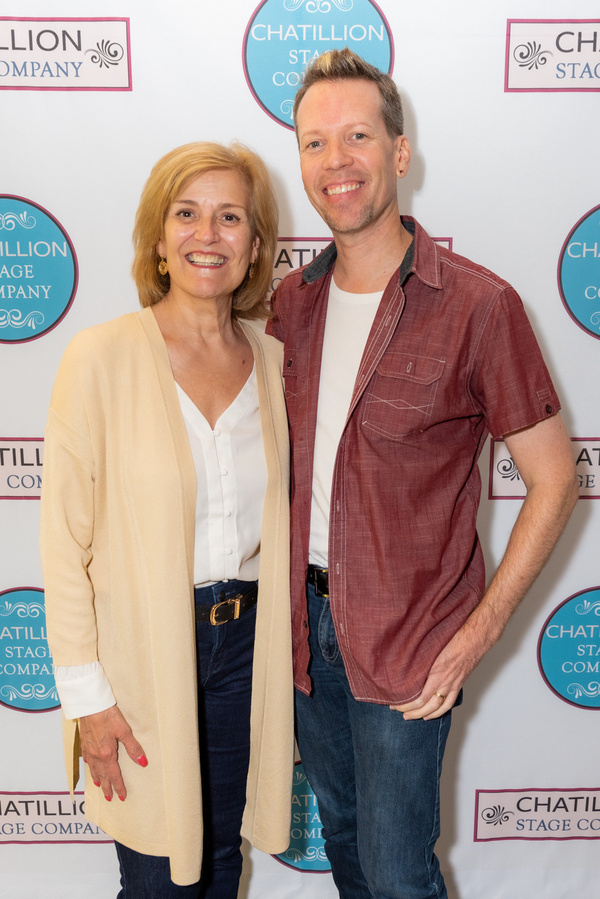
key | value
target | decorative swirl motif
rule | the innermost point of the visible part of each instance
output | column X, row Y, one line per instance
column 508, row 469
column 10, row 219
column 576, row 690
column 531, row 55
column 299, row 777
column 106, row 53
column 586, row 606
column 497, row 814
column 323, row 6
column 312, row 854
column 15, row 319
column 595, row 319
column 23, row 609
column 287, row 108
column 29, row 691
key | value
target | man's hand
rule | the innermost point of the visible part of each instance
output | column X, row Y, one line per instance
column 448, row 674
column 100, row 736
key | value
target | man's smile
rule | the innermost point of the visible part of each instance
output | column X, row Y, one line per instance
column 342, row 188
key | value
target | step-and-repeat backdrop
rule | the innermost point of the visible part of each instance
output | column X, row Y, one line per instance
column 502, row 112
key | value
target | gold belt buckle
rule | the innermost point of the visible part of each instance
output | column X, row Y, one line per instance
column 236, row 612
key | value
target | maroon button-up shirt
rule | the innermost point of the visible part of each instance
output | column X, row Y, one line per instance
column 450, row 357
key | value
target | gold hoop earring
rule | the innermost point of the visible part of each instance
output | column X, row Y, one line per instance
column 162, row 266
column 251, row 271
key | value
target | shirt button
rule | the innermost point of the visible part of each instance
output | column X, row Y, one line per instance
column 216, row 432
column 227, row 513
column 224, row 472
column 228, row 552
column 549, row 409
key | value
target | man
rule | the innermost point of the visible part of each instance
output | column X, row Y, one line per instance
column 400, row 356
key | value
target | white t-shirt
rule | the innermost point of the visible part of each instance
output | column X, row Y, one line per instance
column 349, row 320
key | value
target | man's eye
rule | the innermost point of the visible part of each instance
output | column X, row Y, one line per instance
column 359, row 135
column 314, row 143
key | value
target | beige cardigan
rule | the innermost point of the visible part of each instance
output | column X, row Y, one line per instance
column 117, row 541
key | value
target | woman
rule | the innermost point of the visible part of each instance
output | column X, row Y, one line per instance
column 165, row 473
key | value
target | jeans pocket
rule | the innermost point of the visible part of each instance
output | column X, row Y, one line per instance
column 328, row 643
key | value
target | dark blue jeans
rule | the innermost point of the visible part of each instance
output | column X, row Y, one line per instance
column 376, row 778
column 225, row 654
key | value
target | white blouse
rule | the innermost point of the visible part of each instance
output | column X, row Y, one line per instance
column 231, row 476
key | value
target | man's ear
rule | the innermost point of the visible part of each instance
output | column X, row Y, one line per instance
column 402, row 156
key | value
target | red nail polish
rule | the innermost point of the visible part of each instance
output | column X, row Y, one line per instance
column 143, row 761
column 96, row 783
column 108, row 798
column 122, row 798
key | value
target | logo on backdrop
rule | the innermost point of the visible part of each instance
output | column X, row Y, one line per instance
column 283, row 36
column 294, row 252
column 569, row 650
column 552, row 55
column 26, row 678
column 46, row 818
column 579, row 272
column 306, row 851
column 65, row 54
column 537, row 815
column 505, row 480
column 38, row 270
column 21, row 464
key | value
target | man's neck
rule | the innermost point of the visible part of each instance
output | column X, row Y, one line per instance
column 365, row 263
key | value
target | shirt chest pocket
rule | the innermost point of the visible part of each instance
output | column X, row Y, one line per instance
column 401, row 396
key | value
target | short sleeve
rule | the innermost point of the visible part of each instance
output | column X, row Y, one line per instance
column 510, row 381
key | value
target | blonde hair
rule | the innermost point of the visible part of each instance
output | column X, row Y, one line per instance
column 166, row 182
column 340, row 65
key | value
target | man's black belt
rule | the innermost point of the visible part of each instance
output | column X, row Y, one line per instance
column 228, row 610
column 319, row 578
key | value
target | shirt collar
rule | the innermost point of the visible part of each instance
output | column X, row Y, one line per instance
column 422, row 258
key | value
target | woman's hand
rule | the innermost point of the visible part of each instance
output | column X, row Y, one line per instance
column 100, row 736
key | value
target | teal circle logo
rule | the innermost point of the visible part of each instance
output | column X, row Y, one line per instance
column 569, row 650
column 579, row 273
column 306, row 851
column 283, row 36
column 38, row 270
column 26, row 678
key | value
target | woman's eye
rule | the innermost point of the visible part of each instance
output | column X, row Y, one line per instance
column 230, row 217
column 184, row 213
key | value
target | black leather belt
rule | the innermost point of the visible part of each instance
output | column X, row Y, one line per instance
column 319, row 578
column 228, row 610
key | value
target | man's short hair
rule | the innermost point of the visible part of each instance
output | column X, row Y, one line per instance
column 341, row 65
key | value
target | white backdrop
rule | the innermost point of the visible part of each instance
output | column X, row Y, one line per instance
column 506, row 175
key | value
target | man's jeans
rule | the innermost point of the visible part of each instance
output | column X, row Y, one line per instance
column 225, row 654
column 375, row 776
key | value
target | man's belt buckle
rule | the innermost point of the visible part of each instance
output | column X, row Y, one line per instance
column 321, row 581
column 235, row 601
